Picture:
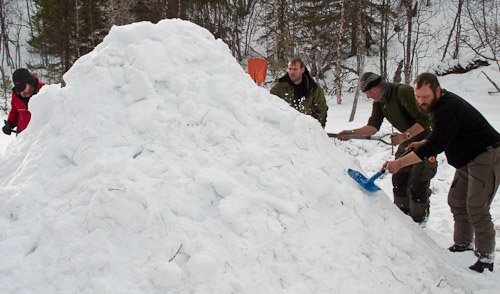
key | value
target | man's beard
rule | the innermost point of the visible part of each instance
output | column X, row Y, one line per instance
column 428, row 108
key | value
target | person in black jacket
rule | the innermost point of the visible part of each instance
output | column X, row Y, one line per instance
column 471, row 145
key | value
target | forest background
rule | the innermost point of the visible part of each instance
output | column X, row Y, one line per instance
column 334, row 37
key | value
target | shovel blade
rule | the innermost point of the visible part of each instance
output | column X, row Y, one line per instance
column 363, row 181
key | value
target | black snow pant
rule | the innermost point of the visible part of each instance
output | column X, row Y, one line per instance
column 411, row 188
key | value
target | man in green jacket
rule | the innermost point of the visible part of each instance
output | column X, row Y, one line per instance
column 396, row 103
column 299, row 89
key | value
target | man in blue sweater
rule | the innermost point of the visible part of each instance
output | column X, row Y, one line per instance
column 471, row 145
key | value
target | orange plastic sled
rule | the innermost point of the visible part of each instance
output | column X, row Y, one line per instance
column 257, row 68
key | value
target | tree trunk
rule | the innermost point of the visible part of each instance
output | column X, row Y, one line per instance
column 456, row 24
column 28, row 11
column 384, row 36
column 4, row 36
column 236, row 35
column 338, row 69
column 91, row 23
column 459, row 29
column 280, row 28
column 360, row 58
column 66, row 46
column 409, row 18
column 77, row 31
column 354, row 34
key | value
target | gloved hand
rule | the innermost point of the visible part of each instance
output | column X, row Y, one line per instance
column 7, row 129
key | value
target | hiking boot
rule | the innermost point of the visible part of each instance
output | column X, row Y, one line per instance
column 421, row 221
column 460, row 248
column 419, row 212
column 479, row 266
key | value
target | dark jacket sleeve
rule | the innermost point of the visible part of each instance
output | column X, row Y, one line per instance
column 377, row 116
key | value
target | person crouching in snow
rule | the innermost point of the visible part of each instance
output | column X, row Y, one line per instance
column 25, row 86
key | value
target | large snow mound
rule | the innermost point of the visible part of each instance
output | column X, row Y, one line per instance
column 162, row 168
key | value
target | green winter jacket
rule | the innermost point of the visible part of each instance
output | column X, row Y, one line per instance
column 401, row 115
column 313, row 103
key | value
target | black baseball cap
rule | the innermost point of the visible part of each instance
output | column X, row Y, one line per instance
column 21, row 77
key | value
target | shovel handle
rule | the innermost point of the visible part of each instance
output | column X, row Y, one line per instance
column 356, row 136
column 374, row 177
column 405, row 153
column 362, row 137
column 384, row 170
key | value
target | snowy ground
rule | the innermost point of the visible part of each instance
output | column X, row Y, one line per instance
column 162, row 168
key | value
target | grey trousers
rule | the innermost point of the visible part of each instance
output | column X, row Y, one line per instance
column 470, row 196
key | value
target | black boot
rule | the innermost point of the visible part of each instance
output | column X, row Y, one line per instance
column 460, row 248
column 479, row 266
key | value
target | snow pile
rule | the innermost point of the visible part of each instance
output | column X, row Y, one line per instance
column 162, row 168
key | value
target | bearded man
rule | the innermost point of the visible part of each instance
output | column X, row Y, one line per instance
column 396, row 103
column 471, row 146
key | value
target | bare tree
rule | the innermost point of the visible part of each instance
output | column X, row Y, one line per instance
column 415, row 17
column 11, row 22
column 411, row 12
column 360, row 58
column 455, row 29
column 389, row 27
column 338, row 68
column 384, row 30
column 251, row 27
column 11, row 19
column 484, row 25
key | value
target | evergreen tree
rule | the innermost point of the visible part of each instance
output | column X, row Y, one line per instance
column 63, row 30
column 279, row 34
column 54, row 35
column 320, row 21
column 94, row 24
column 226, row 19
column 156, row 10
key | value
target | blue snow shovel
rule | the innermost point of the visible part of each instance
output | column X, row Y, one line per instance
column 369, row 184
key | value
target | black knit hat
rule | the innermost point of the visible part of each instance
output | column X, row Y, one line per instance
column 21, row 77
column 369, row 80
